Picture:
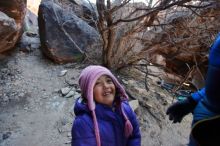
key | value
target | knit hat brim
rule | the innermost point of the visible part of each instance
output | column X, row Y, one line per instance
column 88, row 78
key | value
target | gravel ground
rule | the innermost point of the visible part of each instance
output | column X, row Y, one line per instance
column 35, row 112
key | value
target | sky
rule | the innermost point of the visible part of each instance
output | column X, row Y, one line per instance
column 33, row 4
column 131, row 0
column 93, row 1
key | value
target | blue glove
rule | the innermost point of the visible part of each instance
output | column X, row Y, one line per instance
column 179, row 109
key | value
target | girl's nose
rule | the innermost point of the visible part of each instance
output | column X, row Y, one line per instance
column 106, row 85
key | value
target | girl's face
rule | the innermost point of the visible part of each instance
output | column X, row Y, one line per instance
column 104, row 90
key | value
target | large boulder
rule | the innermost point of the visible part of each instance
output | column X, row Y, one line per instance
column 64, row 36
column 12, row 15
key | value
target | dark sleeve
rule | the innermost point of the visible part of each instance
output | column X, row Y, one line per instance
column 212, row 83
column 82, row 133
column 212, row 86
column 215, row 53
column 135, row 138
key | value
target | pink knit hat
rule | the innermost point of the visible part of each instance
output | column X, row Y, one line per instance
column 87, row 80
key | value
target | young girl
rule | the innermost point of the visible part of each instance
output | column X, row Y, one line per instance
column 103, row 116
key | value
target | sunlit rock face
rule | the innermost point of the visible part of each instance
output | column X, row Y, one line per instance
column 33, row 5
column 12, row 15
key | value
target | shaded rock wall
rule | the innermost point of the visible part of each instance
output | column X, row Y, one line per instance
column 184, row 43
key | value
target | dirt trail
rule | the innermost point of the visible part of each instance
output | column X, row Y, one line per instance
column 40, row 116
column 33, row 111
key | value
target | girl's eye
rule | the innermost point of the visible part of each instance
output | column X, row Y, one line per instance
column 109, row 81
column 97, row 83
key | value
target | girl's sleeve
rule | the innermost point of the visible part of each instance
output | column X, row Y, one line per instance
column 135, row 138
column 198, row 95
column 82, row 134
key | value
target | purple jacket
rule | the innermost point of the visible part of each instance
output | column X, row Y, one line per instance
column 111, row 126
